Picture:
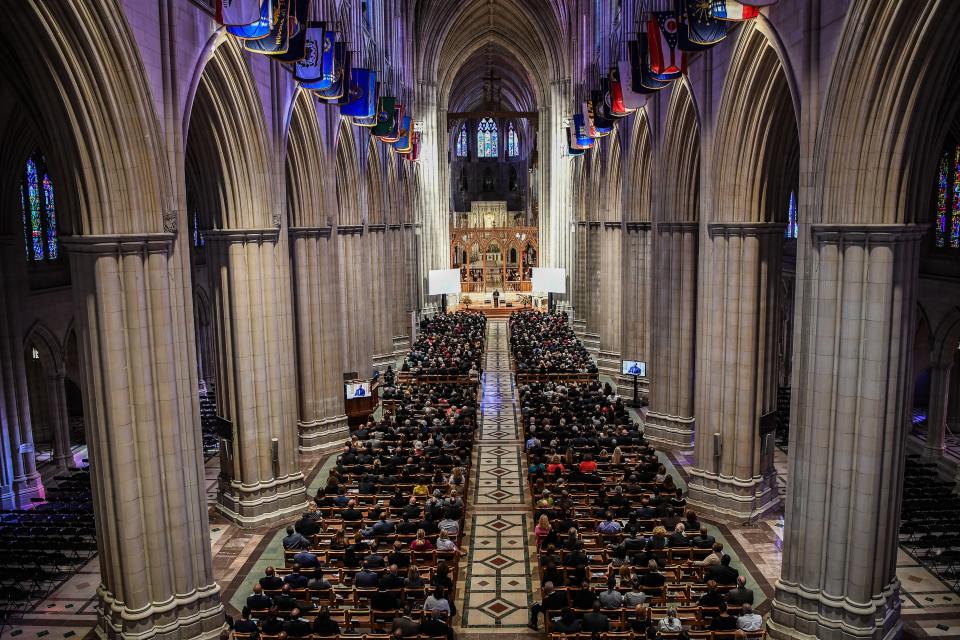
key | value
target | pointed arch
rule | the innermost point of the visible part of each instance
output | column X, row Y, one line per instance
column 92, row 114
column 50, row 350
column 309, row 189
column 375, row 188
column 893, row 89
column 348, row 178
column 756, row 145
column 227, row 162
column 680, row 165
column 638, row 179
column 612, row 184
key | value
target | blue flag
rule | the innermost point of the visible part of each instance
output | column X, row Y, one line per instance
column 259, row 29
column 699, row 26
column 278, row 40
column 362, row 94
column 341, row 69
column 405, row 142
column 310, row 68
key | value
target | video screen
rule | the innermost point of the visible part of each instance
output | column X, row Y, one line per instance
column 356, row 390
column 634, row 368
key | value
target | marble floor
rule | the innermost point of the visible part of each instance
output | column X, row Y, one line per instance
column 496, row 582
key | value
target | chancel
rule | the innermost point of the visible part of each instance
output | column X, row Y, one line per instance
column 565, row 319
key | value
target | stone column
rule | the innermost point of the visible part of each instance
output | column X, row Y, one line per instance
column 736, row 369
column 669, row 420
column 321, row 423
column 609, row 298
column 851, row 408
column 953, row 401
column 59, row 418
column 19, row 479
column 635, row 316
column 260, row 478
column 153, row 533
column 937, row 414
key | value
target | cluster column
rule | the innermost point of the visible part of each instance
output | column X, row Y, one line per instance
column 669, row 420
column 144, row 440
column 940, row 374
column 19, row 479
column 56, row 397
column 321, row 422
column 260, row 478
column 851, row 407
column 736, row 369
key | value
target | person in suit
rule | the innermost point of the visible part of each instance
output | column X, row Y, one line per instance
column 653, row 578
column 552, row 601
column 365, row 578
column 404, row 626
column 741, row 595
column 583, row 597
column 678, row 538
column 295, row 540
column 285, row 601
column 435, row 627
column 567, row 623
column 595, row 621
column 318, row 582
column 611, row 598
column 324, row 625
column 296, row 627
column 295, row 579
column 245, row 624
column 712, row 597
column 271, row 581
column 384, row 600
column 258, row 600
column 392, row 578
column 306, row 559
column 307, row 525
column 704, row 540
column 722, row 573
column 351, row 513
column 723, row 621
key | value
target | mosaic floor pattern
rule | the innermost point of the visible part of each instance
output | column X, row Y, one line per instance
column 496, row 583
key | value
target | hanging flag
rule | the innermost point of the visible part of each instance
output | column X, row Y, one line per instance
column 278, row 40
column 643, row 80
column 404, row 143
column 261, row 27
column 732, row 10
column 621, row 88
column 361, row 94
column 589, row 127
column 394, row 133
column 297, row 39
column 310, row 67
column 414, row 155
column 601, row 121
column 236, row 13
column 698, row 26
column 584, row 140
column 758, row 3
column 573, row 149
column 662, row 38
column 322, row 52
column 340, row 69
column 386, row 108
column 618, row 107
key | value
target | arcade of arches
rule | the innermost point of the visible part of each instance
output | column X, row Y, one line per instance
column 198, row 257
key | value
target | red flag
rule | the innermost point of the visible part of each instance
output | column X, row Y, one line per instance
column 663, row 37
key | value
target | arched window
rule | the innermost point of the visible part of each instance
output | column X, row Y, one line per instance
column 793, row 229
column 462, row 142
column 513, row 147
column 38, row 211
column 946, row 224
column 487, row 142
column 198, row 239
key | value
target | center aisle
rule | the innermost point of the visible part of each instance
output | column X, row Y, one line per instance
column 497, row 582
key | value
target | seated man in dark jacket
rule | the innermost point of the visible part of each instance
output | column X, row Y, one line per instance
column 435, row 627
column 722, row 573
column 595, row 621
column 296, row 627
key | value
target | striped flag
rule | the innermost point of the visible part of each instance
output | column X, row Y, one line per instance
column 665, row 56
column 732, row 10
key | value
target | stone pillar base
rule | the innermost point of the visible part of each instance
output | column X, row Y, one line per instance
column 728, row 497
column 668, row 432
column 323, row 435
column 609, row 364
column 27, row 488
column 195, row 616
column 264, row 503
column 801, row 613
column 380, row 361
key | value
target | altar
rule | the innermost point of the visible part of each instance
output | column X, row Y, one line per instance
column 493, row 250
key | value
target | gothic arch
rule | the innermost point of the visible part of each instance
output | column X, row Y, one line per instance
column 51, row 351
column 611, row 189
column 891, row 90
column 638, row 179
column 680, row 162
column 227, row 160
column 756, row 145
column 945, row 338
column 375, row 189
column 348, row 178
column 92, row 114
column 310, row 201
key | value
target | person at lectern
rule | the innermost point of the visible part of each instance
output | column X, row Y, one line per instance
column 496, row 299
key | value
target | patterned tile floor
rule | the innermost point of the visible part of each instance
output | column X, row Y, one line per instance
column 496, row 583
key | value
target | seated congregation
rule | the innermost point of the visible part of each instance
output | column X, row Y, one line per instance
column 376, row 552
column 449, row 344
column 544, row 343
column 620, row 554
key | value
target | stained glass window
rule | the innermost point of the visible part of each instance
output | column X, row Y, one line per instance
column 487, row 142
column 198, row 239
column 793, row 228
column 513, row 147
column 38, row 211
column 947, row 221
column 462, row 142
